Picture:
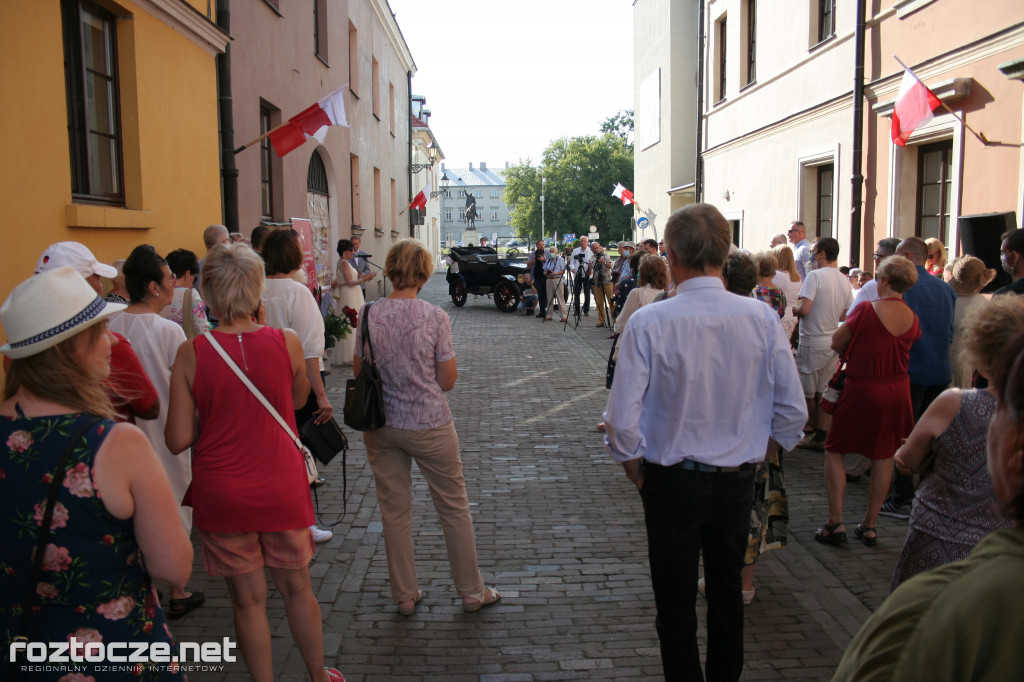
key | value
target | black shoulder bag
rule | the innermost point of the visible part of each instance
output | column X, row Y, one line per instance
column 364, row 395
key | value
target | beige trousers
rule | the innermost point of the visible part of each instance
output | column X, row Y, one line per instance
column 555, row 294
column 390, row 453
column 603, row 296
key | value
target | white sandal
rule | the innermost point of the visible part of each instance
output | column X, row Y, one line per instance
column 485, row 597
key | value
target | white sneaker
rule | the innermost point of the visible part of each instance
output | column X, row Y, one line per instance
column 320, row 535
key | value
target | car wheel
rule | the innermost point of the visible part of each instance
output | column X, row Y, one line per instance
column 506, row 296
column 459, row 294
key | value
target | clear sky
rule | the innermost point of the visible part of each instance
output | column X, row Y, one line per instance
column 502, row 79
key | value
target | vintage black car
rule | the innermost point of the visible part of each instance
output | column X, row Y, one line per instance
column 478, row 270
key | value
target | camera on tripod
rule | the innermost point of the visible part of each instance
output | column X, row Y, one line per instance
column 580, row 257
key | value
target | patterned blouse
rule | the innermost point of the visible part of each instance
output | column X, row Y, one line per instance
column 409, row 338
column 93, row 585
column 773, row 297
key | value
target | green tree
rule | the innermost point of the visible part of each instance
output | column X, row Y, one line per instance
column 580, row 173
column 620, row 124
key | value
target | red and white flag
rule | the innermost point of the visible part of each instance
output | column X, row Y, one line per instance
column 419, row 202
column 624, row 194
column 312, row 123
column 913, row 109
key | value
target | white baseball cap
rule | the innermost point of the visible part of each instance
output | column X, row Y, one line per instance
column 73, row 255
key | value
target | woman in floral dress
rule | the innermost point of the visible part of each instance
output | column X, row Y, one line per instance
column 104, row 551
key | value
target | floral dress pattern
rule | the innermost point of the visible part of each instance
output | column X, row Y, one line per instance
column 92, row 585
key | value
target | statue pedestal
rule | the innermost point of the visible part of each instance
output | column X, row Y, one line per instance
column 471, row 237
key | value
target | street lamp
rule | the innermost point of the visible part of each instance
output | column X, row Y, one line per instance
column 444, row 186
column 432, row 154
column 542, row 181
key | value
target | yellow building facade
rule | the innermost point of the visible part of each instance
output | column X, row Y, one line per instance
column 111, row 127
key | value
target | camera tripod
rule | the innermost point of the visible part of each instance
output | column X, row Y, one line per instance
column 572, row 301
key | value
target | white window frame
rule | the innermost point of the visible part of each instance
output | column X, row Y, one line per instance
column 807, row 162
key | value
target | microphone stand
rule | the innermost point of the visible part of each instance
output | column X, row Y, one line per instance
column 367, row 260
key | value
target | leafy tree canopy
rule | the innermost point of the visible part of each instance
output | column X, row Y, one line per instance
column 579, row 175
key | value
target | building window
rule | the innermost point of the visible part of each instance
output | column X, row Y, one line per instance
column 448, row 215
column 934, row 190
column 826, row 19
column 751, row 41
column 462, row 215
column 391, row 106
column 320, row 28
column 826, row 174
column 93, row 102
column 494, row 214
column 266, row 164
column 480, row 193
column 720, row 57
column 375, row 88
column 316, row 175
column 377, row 223
column 353, row 59
column 494, row 194
column 461, row 194
column 357, row 211
column 394, row 205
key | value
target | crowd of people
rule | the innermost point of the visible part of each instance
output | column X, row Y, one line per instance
column 205, row 356
column 904, row 370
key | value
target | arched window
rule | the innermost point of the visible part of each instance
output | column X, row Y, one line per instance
column 316, row 175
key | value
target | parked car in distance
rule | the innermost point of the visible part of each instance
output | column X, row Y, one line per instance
column 479, row 270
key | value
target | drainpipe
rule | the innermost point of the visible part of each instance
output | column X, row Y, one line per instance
column 412, row 217
column 698, row 183
column 857, row 191
column 228, row 171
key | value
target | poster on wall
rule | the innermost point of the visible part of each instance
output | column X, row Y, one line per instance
column 305, row 229
column 319, row 216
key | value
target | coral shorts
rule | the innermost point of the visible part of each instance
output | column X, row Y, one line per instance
column 233, row 554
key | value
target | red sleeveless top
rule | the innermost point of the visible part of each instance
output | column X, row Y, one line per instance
column 247, row 473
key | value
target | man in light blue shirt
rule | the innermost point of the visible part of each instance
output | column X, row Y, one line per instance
column 704, row 380
column 801, row 247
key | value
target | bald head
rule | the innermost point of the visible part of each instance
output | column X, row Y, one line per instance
column 913, row 249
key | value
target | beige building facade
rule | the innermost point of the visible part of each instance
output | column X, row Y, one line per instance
column 288, row 54
column 665, row 109
column 778, row 123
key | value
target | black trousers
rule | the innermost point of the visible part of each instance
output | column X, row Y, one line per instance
column 689, row 513
column 579, row 281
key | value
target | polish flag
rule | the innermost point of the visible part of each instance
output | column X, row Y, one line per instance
column 913, row 109
column 419, row 202
column 312, row 123
column 622, row 193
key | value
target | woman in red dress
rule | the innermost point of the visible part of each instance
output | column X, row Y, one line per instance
column 874, row 411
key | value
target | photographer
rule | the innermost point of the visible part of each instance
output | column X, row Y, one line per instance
column 536, row 265
column 580, row 264
column 602, row 269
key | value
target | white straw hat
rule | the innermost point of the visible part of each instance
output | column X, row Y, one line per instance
column 48, row 308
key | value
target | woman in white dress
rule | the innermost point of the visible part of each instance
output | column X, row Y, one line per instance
column 788, row 279
column 346, row 292
column 155, row 340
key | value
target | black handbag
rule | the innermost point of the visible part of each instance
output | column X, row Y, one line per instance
column 325, row 440
column 364, row 395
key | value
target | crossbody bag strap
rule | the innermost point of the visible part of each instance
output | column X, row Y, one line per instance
column 44, row 528
column 367, row 344
column 255, row 391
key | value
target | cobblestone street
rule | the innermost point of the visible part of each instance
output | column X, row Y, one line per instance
column 559, row 532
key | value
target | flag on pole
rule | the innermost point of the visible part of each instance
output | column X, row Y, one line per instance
column 913, row 109
column 419, row 202
column 622, row 193
column 311, row 123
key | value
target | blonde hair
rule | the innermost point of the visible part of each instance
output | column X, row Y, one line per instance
column 787, row 263
column 934, row 243
column 232, row 281
column 990, row 330
column 408, row 264
column 57, row 374
column 766, row 263
column 899, row 272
